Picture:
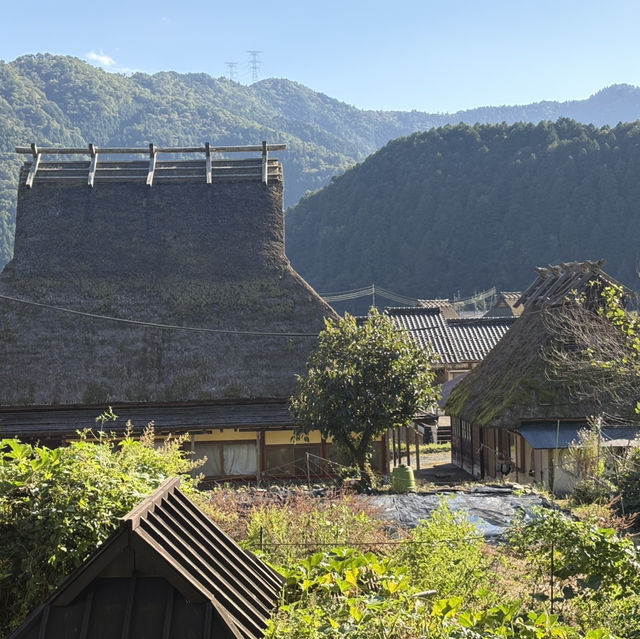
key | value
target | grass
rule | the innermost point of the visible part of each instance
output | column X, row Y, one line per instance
column 429, row 449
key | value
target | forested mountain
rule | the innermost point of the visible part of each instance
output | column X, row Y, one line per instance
column 461, row 208
column 59, row 100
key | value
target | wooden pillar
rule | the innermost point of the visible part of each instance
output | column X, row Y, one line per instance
column 263, row 451
column 265, row 163
column 258, row 455
column 323, row 454
column 393, row 444
column 416, row 439
column 407, row 441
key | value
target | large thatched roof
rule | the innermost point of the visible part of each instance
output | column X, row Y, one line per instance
column 181, row 253
column 512, row 383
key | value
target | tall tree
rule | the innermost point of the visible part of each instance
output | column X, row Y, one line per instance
column 362, row 379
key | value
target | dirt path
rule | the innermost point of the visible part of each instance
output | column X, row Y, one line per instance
column 436, row 468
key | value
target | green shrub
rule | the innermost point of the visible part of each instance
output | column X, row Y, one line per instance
column 304, row 524
column 592, row 490
column 445, row 554
column 589, row 562
column 57, row 505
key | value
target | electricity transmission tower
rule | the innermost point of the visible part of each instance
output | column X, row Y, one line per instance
column 254, row 63
column 231, row 69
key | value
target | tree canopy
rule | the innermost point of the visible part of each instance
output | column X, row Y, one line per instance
column 60, row 100
column 461, row 208
column 363, row 378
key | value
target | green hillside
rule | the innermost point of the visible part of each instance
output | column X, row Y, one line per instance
column 462, row 208
column 60, row 100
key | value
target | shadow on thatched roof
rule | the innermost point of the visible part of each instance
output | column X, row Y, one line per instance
column 511, row 383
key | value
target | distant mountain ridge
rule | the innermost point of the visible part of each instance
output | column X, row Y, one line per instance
column 460, row 208
column 60, row 100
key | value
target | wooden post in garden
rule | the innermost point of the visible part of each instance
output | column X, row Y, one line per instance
column 407, row 441
column 393, row 446
column 416, row 439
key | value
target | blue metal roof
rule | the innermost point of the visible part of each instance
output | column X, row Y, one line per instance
column 551, row 434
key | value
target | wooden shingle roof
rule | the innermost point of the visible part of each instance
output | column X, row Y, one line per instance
column 454, row 340
column 168, row 571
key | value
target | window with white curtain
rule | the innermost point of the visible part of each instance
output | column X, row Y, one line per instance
column 227, row 459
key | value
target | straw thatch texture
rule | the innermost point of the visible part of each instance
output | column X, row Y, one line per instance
column 512, row 383
column 188, row 254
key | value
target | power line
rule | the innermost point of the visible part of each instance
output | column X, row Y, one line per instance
column 221, row 331
column 369, row 291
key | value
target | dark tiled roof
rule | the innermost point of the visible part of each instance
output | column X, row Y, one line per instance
column 456, row 341
column 168, row 571
column 178, row 418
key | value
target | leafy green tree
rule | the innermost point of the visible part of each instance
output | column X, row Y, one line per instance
column 362, row 379
column 595, row 348
column 57, row 505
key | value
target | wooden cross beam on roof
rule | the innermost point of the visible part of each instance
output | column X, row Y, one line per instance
column 153, row 151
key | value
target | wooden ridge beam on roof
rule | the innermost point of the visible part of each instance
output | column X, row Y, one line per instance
column 65, row 170
column 255, row 148
column 93, row 165
column 33, row 149
column 153, row 156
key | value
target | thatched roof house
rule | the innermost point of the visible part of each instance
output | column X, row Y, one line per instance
column 162, row 284
column 167, row 571
column 501, row 409
column 507, row 304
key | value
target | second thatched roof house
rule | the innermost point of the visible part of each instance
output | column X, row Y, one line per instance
column 508, row 417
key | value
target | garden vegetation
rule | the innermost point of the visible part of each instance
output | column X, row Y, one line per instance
column 348, row 572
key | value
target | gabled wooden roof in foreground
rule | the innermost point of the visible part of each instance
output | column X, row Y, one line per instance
column 169, row 572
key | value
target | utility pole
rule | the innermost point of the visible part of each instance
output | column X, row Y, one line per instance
column 231, row 70
column 255, row 64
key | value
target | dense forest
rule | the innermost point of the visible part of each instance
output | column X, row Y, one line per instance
column 461, row 208
column 59, row 100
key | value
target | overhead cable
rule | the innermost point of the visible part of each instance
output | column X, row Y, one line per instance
column 122, row 320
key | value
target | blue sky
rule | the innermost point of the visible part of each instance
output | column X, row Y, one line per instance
column 431, row 56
